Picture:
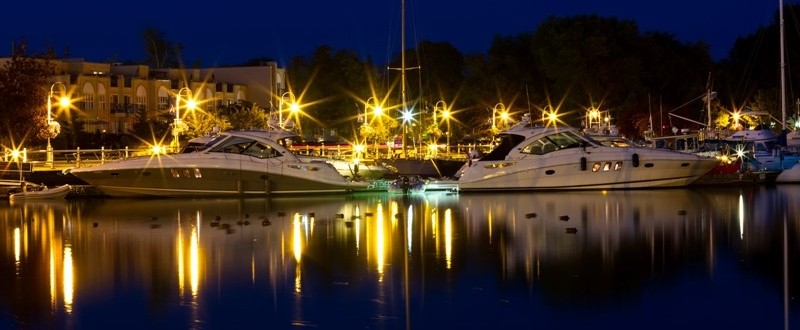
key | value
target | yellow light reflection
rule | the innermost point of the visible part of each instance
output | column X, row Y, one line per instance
column 297, row 239
column 17, row 245
column 448, row 238
column 358, row 229
column 410, row 221
column 380, row 242
column 395, row 211
column 181, row 256
column 69, row 278
column 194, row 260
column 52, row 279
column 435, row 230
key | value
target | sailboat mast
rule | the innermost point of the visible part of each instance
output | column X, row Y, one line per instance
column 783, row 68
column 403, row 71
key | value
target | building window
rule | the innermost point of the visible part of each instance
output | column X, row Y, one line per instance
column 88, row 102
column 163, row 102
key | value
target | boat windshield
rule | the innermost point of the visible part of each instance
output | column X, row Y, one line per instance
column 553, row 142
column 245, row 146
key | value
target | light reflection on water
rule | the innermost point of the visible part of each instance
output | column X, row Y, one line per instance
column 656, row 258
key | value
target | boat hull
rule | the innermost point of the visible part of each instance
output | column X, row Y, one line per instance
column 615, row 169
column 185, row 175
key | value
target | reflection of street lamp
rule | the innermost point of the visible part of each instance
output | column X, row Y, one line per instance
column 293, row 107
column 53, row 128
column 179, row 125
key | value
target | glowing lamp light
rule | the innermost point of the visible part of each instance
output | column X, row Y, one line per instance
column 158, row 150
column 15, row 154
column 407, row 117
column 359, row 148
column 64, row 102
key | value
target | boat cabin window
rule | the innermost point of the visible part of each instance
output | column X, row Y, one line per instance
column 507, row 143
column 239, row 145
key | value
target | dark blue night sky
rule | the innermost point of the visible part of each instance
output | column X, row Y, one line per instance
column 230, row 33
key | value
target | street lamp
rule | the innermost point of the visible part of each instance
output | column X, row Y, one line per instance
column 446, row 115
column 377, row 109
column 53, row 127
column 293, row 107
column 179, row 126
column 502, row 108
column 441, row 106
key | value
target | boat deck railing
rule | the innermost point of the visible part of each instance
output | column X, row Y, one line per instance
column 67, row 158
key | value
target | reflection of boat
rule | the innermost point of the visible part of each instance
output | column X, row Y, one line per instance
column 42, row 192
column 235, row 163
column 429, row 168
column 407, row 185
column 789, row 175
column 548, row 157
column 351, row 169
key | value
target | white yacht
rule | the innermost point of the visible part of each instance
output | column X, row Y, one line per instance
column 234, row 163
column 535, row 157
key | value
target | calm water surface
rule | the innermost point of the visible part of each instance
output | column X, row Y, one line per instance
column 653, row 259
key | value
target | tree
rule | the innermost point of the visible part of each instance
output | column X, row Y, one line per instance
column 246, row 115
column 161, row 52
column 24, row 89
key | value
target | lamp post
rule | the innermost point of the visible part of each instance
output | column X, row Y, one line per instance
column 178, row 126
column 446, row 115
column 53, row 127
column 441, row 107
column 502, row 108
column 293, row 107
column 377, row 111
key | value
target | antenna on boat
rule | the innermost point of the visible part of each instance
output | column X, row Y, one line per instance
column 528, row 97
column 783, row 69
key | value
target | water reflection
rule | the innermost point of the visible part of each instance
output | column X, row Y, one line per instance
column 388, row 261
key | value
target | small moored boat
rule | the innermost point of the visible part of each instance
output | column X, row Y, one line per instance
column 42, row 192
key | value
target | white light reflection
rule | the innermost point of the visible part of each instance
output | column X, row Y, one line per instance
column 69, row 279
column 448, row 238
column 358, row 229
column 741, row 216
